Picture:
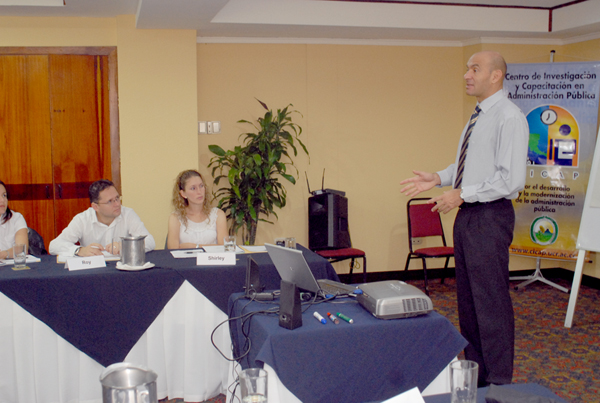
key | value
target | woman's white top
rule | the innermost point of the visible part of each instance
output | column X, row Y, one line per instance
column 9, row 229
column 202, row 233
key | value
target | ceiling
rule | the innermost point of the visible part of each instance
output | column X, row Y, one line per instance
column 354, row 21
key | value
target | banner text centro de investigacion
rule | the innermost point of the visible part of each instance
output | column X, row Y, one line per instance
column 560, row 101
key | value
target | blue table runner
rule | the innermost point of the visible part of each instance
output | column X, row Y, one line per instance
column 369, row 360
column 103, row 312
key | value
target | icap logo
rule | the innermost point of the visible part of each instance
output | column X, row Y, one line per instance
column 543, row 230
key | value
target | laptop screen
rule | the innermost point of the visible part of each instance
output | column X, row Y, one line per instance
column 292, row 266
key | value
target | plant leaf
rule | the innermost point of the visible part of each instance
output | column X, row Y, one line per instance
column 215, row 149
column 262, row 103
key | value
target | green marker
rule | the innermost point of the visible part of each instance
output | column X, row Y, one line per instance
column 347, row 319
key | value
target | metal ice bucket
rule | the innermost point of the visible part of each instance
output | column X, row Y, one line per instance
column 133, row 250
column 128, row 383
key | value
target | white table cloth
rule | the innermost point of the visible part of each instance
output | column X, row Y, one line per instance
column 38, row 366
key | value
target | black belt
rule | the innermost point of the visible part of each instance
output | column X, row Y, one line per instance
column 475, row 204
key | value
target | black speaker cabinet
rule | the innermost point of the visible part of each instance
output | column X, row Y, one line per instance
column 290, row 312
column 328, row 222
column 253, row 285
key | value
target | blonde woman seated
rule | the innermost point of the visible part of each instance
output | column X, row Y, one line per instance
column 193, row 223
column 13, row 228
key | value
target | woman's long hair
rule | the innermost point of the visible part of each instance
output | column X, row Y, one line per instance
column 7, row 214
column 179, row 202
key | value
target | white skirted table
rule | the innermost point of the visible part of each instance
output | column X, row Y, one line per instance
column 162, row 318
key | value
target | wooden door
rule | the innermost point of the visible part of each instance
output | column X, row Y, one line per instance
column 55, row 134
column 26, row 163
column 78, row 105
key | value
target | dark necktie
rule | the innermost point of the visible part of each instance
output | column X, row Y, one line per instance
column 463, row 148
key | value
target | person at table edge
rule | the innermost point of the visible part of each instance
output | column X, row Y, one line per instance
column 96, row 228
column 13, row 228
column 193, row 222
column 494, row 173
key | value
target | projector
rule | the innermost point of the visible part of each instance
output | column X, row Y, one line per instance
column 393, row 299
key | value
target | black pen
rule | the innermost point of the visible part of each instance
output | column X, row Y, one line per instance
column 193, row 252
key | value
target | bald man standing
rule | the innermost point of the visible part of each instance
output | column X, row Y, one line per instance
column 488, row 173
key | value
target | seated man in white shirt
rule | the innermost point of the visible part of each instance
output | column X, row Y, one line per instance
column 96, row 228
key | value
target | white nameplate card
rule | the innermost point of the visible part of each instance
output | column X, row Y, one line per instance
column 82, row 263
column 214, row 259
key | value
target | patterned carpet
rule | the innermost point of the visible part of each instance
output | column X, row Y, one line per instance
column 566, row 361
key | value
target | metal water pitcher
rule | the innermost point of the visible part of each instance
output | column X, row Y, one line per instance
column 133, row 250
column 128, row 383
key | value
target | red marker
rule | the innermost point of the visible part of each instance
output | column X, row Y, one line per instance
column 333, row 318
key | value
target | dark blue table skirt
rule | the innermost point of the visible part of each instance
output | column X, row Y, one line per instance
column 217, row 283
column 369, row 360
column 103, row 312
column 530, row 388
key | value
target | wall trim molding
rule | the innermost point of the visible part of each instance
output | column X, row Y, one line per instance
column 396, row 42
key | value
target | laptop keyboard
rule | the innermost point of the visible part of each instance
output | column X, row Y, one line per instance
column 335, row 288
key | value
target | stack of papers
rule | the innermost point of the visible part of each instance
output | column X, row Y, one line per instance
column 220, row 249
column 254, row 248
column 183, row 253
column 108, row 257
column 30, row 259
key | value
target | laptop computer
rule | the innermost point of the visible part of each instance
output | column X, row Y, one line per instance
column 292, row 266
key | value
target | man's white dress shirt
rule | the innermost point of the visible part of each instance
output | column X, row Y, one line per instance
column 86, row 229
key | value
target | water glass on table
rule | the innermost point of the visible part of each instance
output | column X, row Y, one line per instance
column 115, row 247
column 463, row 381
column 290, row 242
column 253, row 385
column 20, row 256
column 229, row 243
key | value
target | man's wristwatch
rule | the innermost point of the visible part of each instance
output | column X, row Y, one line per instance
column 77, row 251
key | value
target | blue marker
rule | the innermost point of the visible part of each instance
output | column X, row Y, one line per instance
column 320, row 318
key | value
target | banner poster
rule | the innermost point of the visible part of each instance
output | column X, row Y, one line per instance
column 560, row 101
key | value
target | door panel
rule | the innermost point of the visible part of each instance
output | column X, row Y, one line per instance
column 25, row 139
column 56, row 133
column 77, row 118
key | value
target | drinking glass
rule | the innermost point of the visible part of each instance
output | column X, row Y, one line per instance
column 115, row 247
column 290, row 243
column 229, row 243
column 20, row 255
column 253, row 385
column 463, row 381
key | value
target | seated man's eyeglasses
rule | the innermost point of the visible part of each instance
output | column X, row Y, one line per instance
column 112, row 202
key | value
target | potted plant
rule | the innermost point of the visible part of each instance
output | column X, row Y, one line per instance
column 253, row 170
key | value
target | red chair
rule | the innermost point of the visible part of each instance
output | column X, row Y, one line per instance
column 338, row 255
column 423, row 223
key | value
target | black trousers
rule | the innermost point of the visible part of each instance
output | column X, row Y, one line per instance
column 482, row 235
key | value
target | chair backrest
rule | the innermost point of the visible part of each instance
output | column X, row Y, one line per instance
column 36, row 243
column 422, row 222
